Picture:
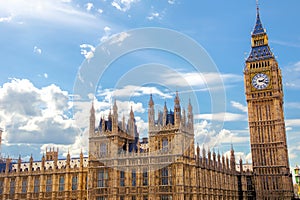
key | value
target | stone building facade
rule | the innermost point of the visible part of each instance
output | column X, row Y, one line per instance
column 50, row 178
column 168, row 168
column 167, row 165
column 264, row 95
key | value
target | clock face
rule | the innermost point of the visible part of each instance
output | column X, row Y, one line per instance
column 260, row 81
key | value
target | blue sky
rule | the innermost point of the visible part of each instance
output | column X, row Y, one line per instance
column 44, row 44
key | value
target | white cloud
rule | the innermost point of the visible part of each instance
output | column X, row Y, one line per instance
column 239, row 106
column 119, row 38
column 153, row 15
column 205, row 134
column 293, row 74
column 45, row 75
column 37, row 50
column 292, row 122
column 200, row 79
column 5, row 19
column 59, row 11
column 107, row 34
column 31, row 115
column 293, row 105
column 87, row 51
column 89, row 6
column 223, row 117
column 123, row 5
column 132, row 91
column 100, row 10
column 171, row 1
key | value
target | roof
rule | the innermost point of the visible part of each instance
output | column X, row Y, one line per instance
column 260, row 53
column 258, row 29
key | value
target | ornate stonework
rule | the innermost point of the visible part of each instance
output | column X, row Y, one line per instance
column 264, row 94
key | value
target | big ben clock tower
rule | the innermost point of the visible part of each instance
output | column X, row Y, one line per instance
column 264, row 95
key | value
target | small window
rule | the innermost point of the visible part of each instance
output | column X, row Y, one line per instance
column 102, row 178
column 74, row 182
column 12, row 186
column 24, row 185
column 36, row 188
column 61, row 186
column 49, row 184
column 133, row 177
column 122, row 178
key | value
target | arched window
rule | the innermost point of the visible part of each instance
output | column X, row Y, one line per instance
column 103, row 149
column 165, row 144
column 74, row 182
column 61, row 186
column 49, row 184
column 24, row 185
column 165, row 176
column 36, row 187
column 12, row 186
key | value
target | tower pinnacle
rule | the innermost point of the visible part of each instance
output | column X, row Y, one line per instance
column 260, row 42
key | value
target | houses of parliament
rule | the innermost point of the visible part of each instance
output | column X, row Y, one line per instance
column 167, row 165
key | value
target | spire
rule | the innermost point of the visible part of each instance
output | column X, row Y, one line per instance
column 177, row 111
column 115, row 107
column 92, row 121
column 258, row 29
column 123, row 123
column 115, row 117
column 131, row 113
column 151, row 103
column 92, row 111
column 176, row 100
column 151, row 114
column 260, row 42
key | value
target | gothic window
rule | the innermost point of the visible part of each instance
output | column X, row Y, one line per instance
column 49, row 184
column 24, row 185
column 165, row 176
column 61, row 186
column 74, row 182
column 165, row 197
column 122, row 197
column 145, row 197
column 102, row 178
column 36, row 187
column 165, row 144
column 103, row 149
column 133, row 198
column 1, row 186
column 145, row 177
column 133, row 176
column 122, row 178
column 101, row 198
column 12, row 186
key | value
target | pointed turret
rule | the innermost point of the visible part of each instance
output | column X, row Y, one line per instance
column 165, row 114
column 123, row 123
column 30, row 163
column 183, row 121
column 151, row 114
column 177, row 111
column 131, row 127
column 198, row 151
column 258, row 29
column 68, row 160
column 190, row 122
column 260, row 45
column 19, row 163
column 115, row 118
column 92, row 120
column 232, row 159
